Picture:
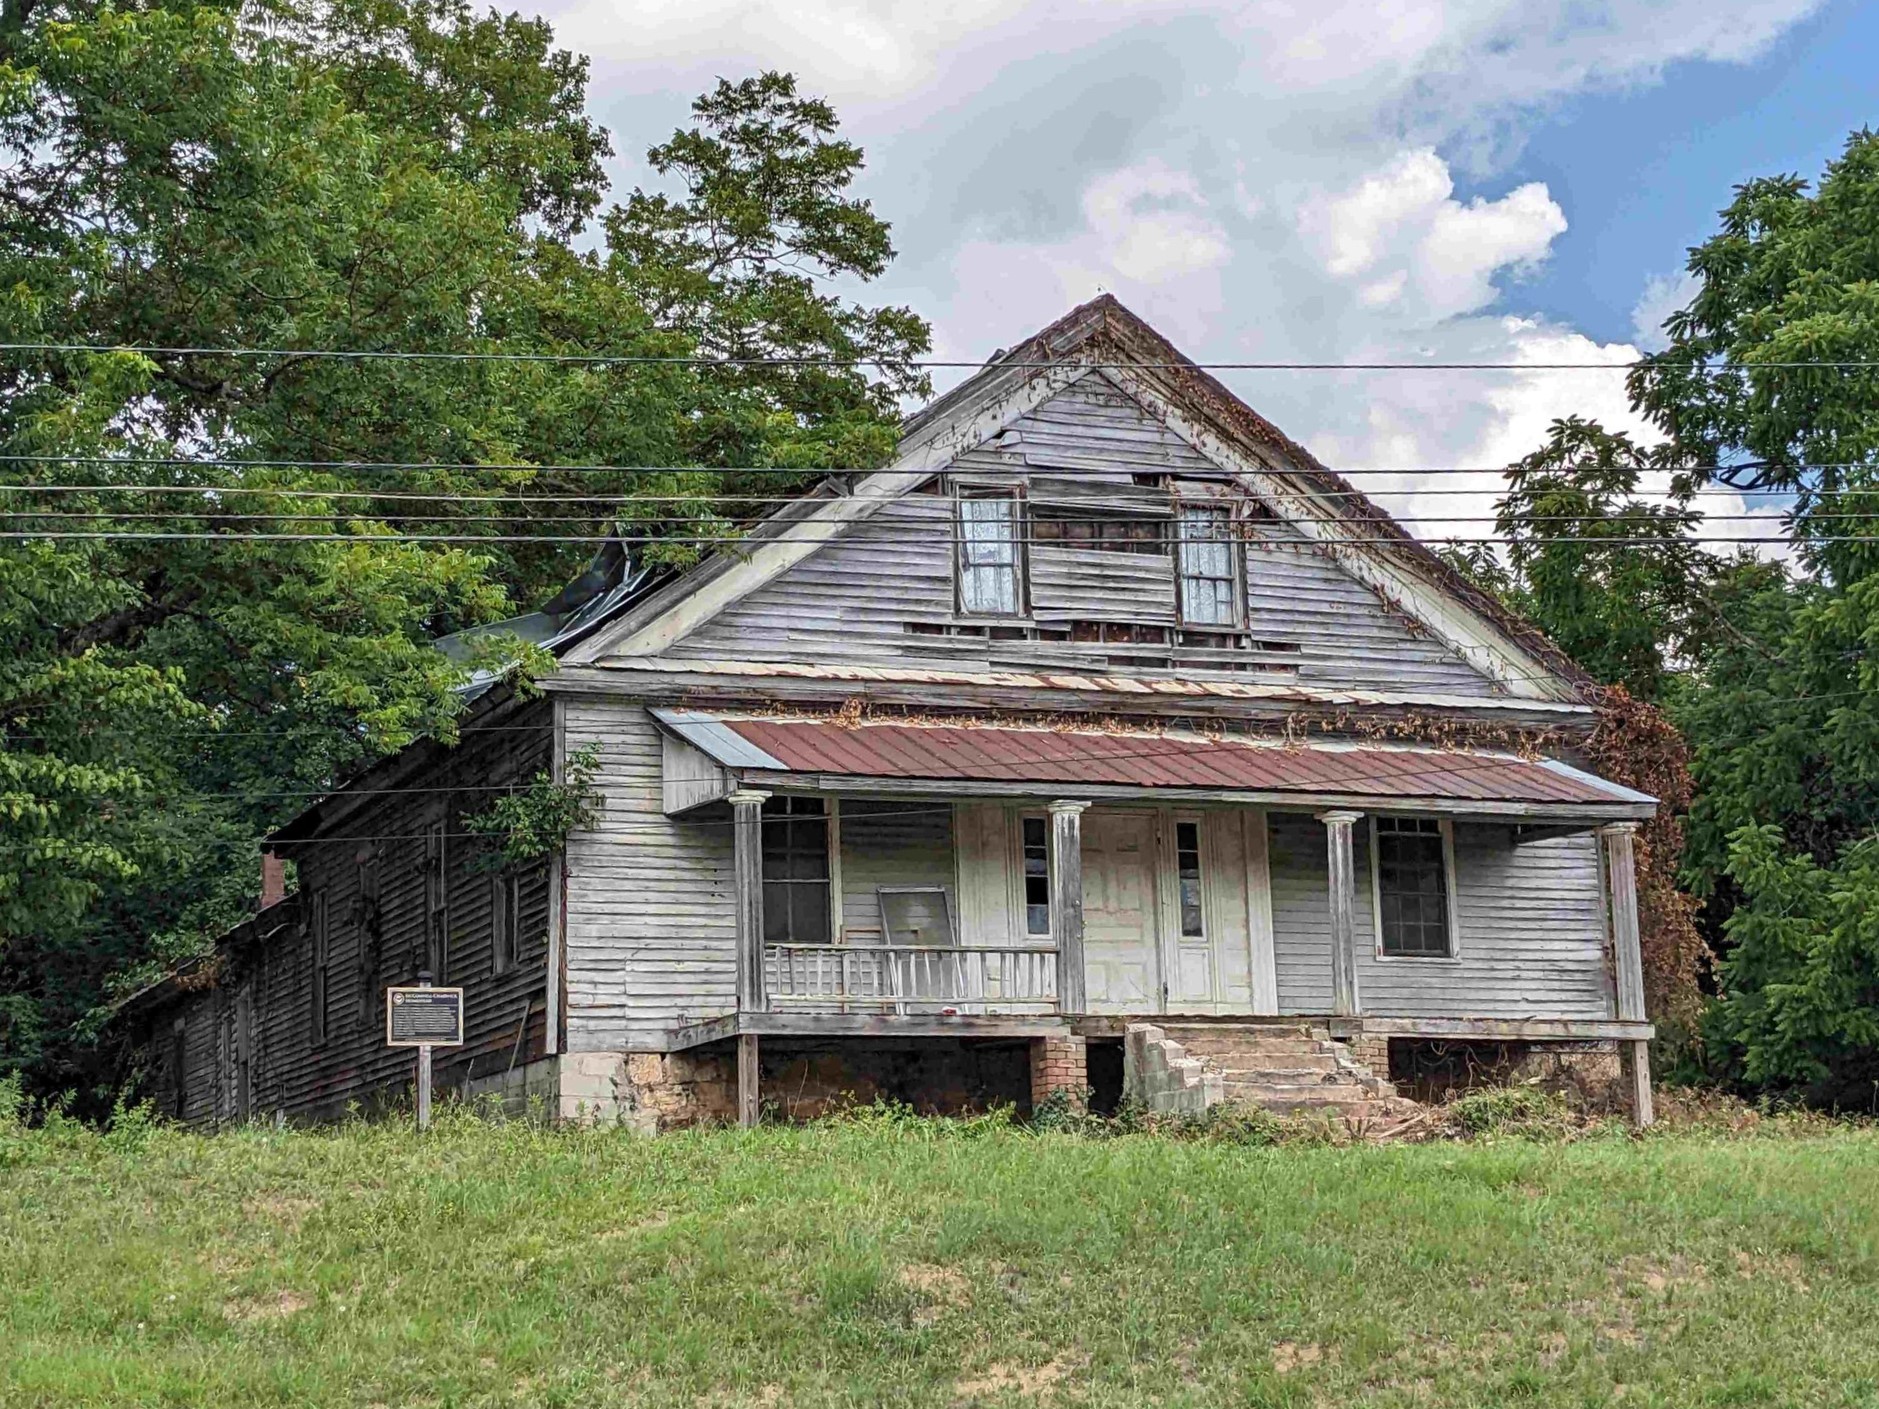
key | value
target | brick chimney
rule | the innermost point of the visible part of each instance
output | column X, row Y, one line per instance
column 273, row 879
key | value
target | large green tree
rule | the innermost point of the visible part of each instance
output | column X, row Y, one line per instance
column 1770, row 383
column 372, row 176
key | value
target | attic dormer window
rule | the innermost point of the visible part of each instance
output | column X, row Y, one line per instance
column 1208, row 563
column 988, row 555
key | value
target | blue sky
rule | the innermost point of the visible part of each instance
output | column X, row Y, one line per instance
column 1642, row 173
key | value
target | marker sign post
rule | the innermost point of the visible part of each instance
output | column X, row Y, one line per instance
column 424, row 1017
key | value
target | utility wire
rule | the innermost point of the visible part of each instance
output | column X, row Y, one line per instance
column 1668, row 517
column 1045, row 470
column 592, row 540
column 452, row 496
column 602, row 359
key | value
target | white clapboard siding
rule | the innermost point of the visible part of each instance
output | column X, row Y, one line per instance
column 893, row 843
column 1530, row 920
column 651, row 930
column 858, row 599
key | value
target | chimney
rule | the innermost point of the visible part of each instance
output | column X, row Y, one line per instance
column 273, row 879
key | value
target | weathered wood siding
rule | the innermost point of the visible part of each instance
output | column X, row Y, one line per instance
column 651, row 923
column 893, row 843
column 1530, row 920
column 265, row 1041
column 881, row 592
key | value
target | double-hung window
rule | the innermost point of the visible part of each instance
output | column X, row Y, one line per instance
column 1210, row 594
column 795, row 871
column 990, row 575
column 1413, row 874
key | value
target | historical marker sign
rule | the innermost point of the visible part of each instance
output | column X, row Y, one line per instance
column 424, row 1017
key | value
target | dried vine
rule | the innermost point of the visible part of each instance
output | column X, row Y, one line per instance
column 1637, row 745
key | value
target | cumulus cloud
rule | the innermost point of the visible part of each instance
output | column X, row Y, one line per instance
column 1664, row 294
column 1264, row 181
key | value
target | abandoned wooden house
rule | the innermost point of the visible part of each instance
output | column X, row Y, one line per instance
column 1103, row 740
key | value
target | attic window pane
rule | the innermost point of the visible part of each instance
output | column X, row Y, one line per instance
column 1208, row 590
column 988, row 556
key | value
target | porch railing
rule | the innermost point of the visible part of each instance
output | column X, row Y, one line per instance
column 911, row 978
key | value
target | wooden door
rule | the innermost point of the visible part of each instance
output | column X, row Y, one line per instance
column 1120, row 862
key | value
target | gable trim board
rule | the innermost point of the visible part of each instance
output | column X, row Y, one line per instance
column 1404, row 573
column 768, row 681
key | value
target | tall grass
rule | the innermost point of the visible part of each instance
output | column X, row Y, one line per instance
column 883, row 1259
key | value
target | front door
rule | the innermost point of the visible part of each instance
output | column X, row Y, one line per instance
column 1120, row 861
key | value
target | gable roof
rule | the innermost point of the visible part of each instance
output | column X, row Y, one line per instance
column 1196, row 406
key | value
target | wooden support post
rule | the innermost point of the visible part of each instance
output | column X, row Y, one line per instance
column 747, row 868
column 749, row 1107
column 1066, row 902
column 1621, row 877
column 1343, row 888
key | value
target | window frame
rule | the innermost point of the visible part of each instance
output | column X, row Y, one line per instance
column 1201, row 935
column 1020, row 576
column 1048, row 933
column 1445, row 827
column 505, row 920
column 437, row 901
column 1236, row 564
column 791, row 818
column 319, row 982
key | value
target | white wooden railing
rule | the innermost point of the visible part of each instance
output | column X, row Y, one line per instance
column 911, row 978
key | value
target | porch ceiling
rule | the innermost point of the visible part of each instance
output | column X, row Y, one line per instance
column 1094, row 763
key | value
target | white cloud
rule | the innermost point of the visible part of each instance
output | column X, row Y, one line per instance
column 1401, row 232
column 1664, row 294
column 1265, row 181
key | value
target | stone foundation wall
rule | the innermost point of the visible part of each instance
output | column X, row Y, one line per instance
column 649, row 1092
column 1586, row 1072
column 534, row 1089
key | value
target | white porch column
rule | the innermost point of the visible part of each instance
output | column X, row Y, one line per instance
column 1621, row 877
column 1066, row 902
column 747, row 883
column 1343, row 888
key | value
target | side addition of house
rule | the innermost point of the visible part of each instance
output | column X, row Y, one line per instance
column 1103, row 740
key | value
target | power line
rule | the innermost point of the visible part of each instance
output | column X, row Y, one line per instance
column 723, row 496
column 602, row 359
column 747, row 520
column 593, row 540
column 1045, row 469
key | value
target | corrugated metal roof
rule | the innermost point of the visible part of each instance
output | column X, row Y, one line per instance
column 1007, row 754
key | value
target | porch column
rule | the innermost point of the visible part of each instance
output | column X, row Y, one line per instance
column 1066, row 901
column 747, row 884
column 1343, row 888
column 747, row 871
column 1621, row 876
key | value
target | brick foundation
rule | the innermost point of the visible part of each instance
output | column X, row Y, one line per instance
column 1059, row 1064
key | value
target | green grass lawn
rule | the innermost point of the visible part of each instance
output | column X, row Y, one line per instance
column 928, row 1264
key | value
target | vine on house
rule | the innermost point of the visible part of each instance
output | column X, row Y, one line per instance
column 536, row 823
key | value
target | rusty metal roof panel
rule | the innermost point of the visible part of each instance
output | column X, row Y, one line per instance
column 1006, row 754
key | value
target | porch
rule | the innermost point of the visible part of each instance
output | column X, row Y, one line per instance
column 1408, row 892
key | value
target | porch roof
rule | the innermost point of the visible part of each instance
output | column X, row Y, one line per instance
column 1090, row 762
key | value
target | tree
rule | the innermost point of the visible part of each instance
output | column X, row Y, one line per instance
column 1770, row 383
column 367, row 176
